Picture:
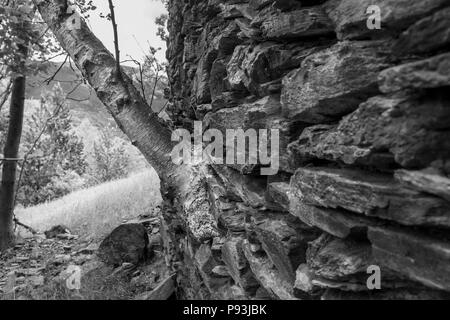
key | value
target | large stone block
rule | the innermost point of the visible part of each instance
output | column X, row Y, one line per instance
column 343, row 264
column 337, row 259
column 307, row 22
column 372, row 195
column 126, row 244
column 421, row 258
column 429, row 34
column 253, row 65
column 332, row 83
column 429, row 73
column 268, row 276
column 412, row 131
column 350, row 16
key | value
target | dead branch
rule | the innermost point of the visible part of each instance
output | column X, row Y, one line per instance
column 18, row 223
column 50, row 79
column 116, row 35
column 5, row 94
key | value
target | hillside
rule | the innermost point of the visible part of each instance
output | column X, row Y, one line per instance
column 93, row 213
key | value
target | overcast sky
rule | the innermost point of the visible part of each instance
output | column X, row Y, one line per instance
column 134, row 18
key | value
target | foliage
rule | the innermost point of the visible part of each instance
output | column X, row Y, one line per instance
column 110, row 158
column 161, row 22
column 3, row 129
column 19, row 26
column 56, row 161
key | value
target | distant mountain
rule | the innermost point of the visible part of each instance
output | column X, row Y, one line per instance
column 83, row 101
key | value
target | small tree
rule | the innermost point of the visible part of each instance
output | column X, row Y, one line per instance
column 55, row 158
column 111, row 161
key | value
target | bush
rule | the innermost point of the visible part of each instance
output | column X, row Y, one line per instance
column 111, row 161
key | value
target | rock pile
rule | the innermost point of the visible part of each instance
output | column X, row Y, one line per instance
column 364, row 116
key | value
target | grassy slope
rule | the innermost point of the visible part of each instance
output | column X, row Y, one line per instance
column 95, row 212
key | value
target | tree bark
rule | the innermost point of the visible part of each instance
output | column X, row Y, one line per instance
column 11, row 152
column 12, row 143
column 184, row 185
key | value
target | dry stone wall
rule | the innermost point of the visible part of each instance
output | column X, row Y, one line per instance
column 364, row 117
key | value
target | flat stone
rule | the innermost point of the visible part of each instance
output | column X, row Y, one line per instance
column 418, row 257
column 337, row 259
column 333, row 82
column 428, row 34
column 338, row 223
column 350, row 17
column 381, row 132
column 429, row 73
column 373, row 195
column 308, row 22
column 268, row 276
column 427, row 181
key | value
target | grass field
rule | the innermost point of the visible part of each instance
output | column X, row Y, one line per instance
column 95, row 212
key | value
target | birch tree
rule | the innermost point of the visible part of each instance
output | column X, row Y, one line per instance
column 184, row 184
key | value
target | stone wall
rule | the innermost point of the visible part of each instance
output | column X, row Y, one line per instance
column 364, row 117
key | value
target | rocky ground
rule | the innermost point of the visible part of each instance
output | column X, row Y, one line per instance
column 128, row 264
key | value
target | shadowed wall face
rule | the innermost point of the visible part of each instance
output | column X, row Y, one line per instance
column 363, row 187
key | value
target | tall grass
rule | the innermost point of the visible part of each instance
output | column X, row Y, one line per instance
column 95, row 212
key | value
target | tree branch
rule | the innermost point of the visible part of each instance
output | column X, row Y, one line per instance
column 116, row 36
column 30, row 151
column 18, row 223
column 5, row 94
column 50, row 79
